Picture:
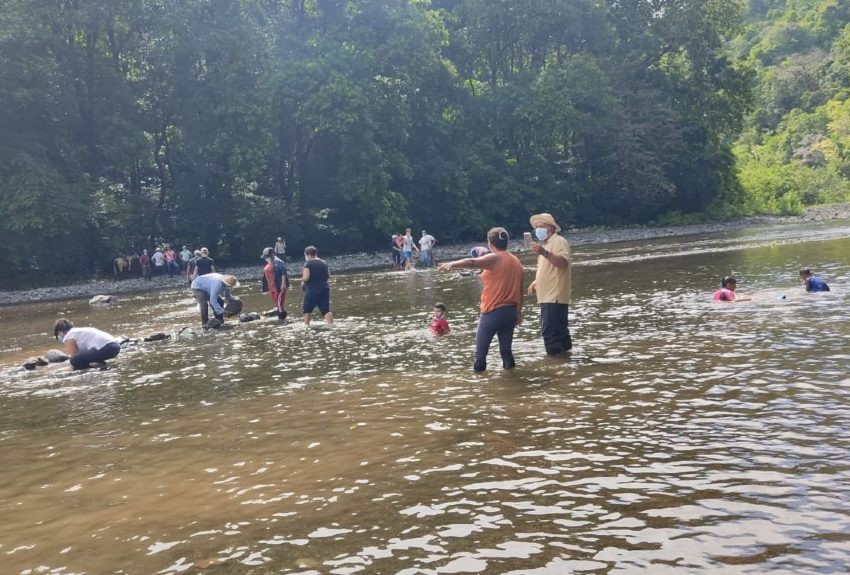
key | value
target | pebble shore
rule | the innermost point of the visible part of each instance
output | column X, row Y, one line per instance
column 382, row 260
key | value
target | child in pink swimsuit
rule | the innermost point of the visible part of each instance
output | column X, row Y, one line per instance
column 727, row 291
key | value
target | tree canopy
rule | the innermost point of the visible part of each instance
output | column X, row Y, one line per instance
column 337, row 122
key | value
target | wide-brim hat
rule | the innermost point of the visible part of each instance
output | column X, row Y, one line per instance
column 544, row 219
column 230, row 281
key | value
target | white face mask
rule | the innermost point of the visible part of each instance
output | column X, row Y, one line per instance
column 541, row 233
column 60, row 338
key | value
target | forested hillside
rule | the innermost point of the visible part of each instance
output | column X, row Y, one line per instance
column 796, row 146
column 228, row 122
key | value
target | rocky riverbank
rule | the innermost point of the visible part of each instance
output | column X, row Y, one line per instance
column 381, row 260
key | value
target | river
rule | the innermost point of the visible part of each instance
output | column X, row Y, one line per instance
column 681, row 436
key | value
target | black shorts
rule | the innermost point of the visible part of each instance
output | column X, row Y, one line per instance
column 319, row 296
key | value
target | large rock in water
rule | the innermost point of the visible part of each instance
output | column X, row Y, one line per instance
column 56, row 356
column 103, row 300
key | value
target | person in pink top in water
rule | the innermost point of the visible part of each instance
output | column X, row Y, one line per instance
column 439, row 323
column 727, row 291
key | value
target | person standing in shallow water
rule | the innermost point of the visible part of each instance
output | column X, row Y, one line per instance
column 501, row 298
column 552, row 283
column 314, row 282
column 275, row 281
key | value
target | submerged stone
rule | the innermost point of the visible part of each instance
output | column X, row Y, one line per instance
column 157, row 337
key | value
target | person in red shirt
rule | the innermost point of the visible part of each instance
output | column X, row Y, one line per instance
column 439, row 323
column 145, row 260
column 275, row 281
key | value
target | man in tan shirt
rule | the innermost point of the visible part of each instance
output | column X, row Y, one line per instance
column 552, row 283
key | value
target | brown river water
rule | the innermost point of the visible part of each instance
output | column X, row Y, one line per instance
column 681, row 436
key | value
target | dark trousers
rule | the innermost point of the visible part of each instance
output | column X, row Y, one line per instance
column 499, row 322
column 554, row 323
column 203, row 299
column 85, row 358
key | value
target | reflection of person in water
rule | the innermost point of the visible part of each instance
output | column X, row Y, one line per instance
column 87, row 346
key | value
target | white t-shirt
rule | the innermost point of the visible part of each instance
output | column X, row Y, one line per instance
column 427, row 242
column 89, row 338
column 158, row 259
column 407, row 243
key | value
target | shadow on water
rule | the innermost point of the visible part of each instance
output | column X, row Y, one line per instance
column 681, row 436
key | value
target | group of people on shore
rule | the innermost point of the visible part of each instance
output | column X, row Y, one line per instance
column 164, row 261
column 403, row 245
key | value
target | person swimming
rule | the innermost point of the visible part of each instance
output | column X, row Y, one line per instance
column 813, row 283
column 727, row 291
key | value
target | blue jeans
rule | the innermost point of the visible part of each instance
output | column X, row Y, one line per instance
column 85, row 358
column 554, row 323
column 426, row 258
column 498, row 322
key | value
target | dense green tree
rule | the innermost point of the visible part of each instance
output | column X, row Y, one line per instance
column 228, row 122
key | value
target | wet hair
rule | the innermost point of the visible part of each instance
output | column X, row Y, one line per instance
column 440, row 306
column 806, row 272
column 727, row 281
column 62, row 325
column 311, row 251
column 499, row 238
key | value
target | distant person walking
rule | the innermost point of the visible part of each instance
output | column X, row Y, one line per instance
column 501, row 298
column 87, row 346
column 171, row 265
column 275, row 281
column 552, row 283
column 185, row 256
column 145, row 261
column 395, row 250
column 314, row 282
column 426, row 243
column 407, row 247
column 191, row 267
column 205, row 264
column 280, row 248
column 158, row 263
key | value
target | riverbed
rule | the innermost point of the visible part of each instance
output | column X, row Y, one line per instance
column 680, row 436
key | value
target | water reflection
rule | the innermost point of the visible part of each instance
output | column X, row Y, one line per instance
column 682, row 436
